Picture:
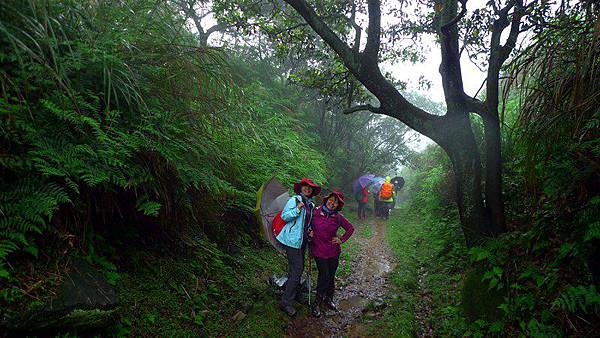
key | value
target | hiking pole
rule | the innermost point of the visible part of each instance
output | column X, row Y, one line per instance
column 309, row 275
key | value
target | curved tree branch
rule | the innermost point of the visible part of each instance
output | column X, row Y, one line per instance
column 217, row 28
column 499, row 53
column 392, row 103
column 351, row 59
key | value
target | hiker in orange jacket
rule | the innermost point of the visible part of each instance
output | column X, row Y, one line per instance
column 386, row 197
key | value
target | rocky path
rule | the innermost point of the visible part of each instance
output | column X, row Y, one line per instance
column 360, row 294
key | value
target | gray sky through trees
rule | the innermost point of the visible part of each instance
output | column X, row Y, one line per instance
column 406, row 71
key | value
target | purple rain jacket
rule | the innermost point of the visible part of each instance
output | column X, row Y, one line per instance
column 325, row 227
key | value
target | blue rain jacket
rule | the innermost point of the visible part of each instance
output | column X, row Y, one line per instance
column 292, row 233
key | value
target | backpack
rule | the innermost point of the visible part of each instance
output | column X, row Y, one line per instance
column 359, row 195
column 279, row 223
column 386, row 191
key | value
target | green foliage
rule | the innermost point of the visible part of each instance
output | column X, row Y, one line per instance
column 139, row 111
column 108, row 268
column 354, row 144
column 431, row 189
column 118, row 132
column 199, row 292
column 579, row 298
column 26, row 206
column 429, row 263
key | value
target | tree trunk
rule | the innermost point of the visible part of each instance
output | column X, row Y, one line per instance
column 493, row 174
column 480, row 218
column 462, row 150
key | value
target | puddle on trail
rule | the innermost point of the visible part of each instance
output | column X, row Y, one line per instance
column 353, row 302
column 377, row 268
column 365, row 286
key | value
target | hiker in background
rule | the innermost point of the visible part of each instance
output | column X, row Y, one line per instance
column 386, row 197
column 376, row 208
column 398, row 182
column 298, row 213
column 326, row 249
column 362, row 203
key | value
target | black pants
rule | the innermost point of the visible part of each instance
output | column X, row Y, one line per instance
column 385, row 209
column 362, row 209
column 295, row 259
column 326, row 280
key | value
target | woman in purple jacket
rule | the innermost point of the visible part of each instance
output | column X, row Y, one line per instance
column 325, row 247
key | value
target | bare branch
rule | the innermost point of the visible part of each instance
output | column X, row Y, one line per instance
column 357, row 29
column 450, row 67
column 499, row 53
column 475, row 106
column 217, row 28
column 511, row 41
column 287, row 29
column 456, row 19
column 480, row 87
column 374, row 33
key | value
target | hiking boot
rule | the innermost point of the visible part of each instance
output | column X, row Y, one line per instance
column 289, row 310
column 316, row 307
column 328, row 301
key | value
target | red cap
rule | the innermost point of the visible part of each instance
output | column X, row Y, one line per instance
column 340, row 197
column 310, row 183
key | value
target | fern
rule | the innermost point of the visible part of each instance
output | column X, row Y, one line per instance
column 575, row 298
column 590, row 219
column 593, row 231
column 148, row 208
column 26, row 208
column 99, row 111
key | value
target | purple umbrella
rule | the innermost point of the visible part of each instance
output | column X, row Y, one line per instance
column 360, row 183
column 365, row 180
column 376, row 184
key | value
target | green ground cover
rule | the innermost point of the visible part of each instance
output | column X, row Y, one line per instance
column 420, row 251
column 210, row 293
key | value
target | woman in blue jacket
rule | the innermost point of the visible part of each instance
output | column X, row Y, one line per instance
column 298, row 213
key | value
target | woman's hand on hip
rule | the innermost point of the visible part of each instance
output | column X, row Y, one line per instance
column 336, row 240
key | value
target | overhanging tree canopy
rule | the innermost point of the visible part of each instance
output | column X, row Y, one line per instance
column 479, row 193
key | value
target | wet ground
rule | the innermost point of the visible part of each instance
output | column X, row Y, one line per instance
column 360, row 295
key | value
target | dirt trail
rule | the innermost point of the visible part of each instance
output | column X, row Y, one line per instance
column 361, row 293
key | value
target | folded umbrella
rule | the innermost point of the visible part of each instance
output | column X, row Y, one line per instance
column 270, row 199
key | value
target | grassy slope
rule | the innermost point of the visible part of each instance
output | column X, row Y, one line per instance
column 202, row 295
